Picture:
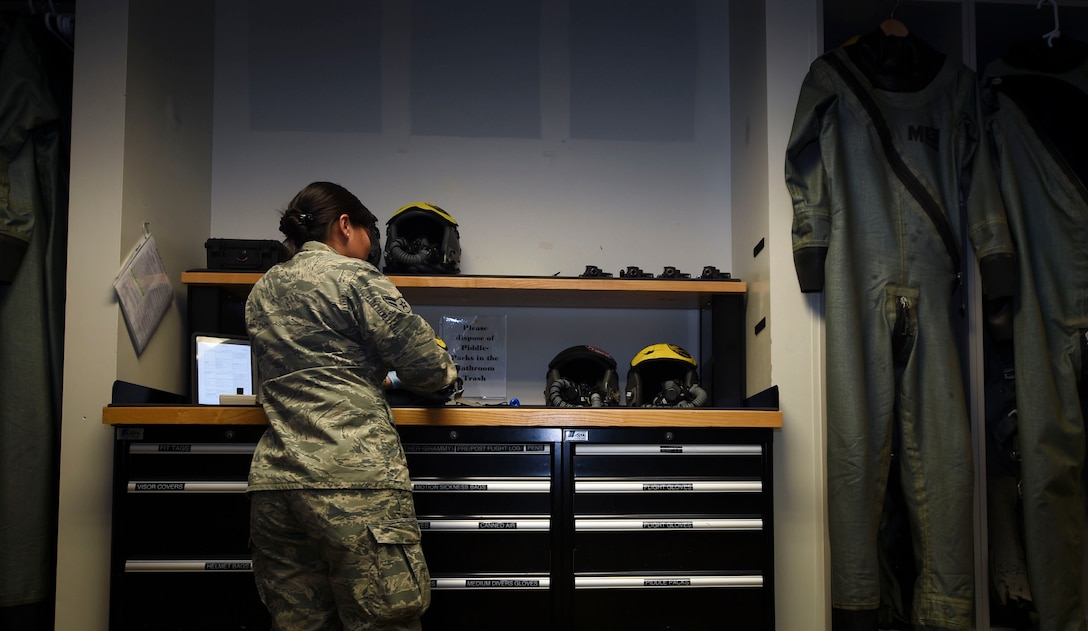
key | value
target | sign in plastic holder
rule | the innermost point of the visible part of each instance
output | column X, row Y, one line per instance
column 477, row 345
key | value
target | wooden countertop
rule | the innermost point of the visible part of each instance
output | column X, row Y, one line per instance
column 464, row 415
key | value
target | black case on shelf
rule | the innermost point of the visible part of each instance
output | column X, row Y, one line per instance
column 243, row 255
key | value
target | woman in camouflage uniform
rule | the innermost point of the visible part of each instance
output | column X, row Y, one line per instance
column 334, row 535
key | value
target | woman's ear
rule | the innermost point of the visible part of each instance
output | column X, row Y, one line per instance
column 338, row 231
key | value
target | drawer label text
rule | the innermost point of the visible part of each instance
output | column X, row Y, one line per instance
column 506, row 582
column 160, row 486
column 667, row 582
column 231, row 566
column 449, row 486
column 667, row 524
column 668, row 486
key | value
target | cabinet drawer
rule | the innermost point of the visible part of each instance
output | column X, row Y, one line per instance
column 187, row 600
column 491, row 602
column 658, row 602
column 479, row 459
column 676, row 543
column 489, row 544
column 743, row 461
column 186, row 521
column 209, row 461
column 658, row 496
column 482, row 496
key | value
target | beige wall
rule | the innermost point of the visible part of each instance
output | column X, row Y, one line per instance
column 141, row 146
column 91, row 333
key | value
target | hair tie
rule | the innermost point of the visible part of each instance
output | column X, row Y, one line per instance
column 307, row 219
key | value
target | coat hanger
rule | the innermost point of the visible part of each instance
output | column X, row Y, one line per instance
column 60, row 25
column 1056, row 33
column 892, row 26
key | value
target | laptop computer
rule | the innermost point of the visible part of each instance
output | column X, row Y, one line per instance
column 222, row 364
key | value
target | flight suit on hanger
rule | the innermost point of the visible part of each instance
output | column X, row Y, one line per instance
column 889, row 265
column 1036, row 105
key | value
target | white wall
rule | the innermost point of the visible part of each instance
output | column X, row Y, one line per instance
column 526, row 205
column 796, row 326
column 167, row 174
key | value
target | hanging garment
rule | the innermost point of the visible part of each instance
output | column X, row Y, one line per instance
column 1035, row 99
column 865, row 235
column 30, row 234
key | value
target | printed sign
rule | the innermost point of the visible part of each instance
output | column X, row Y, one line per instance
column 477, row 345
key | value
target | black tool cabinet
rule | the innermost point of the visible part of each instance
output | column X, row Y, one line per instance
column 554, row 528
column 533, row 518
column 180, row 553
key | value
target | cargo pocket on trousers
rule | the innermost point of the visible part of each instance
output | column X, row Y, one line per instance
column 401, row 580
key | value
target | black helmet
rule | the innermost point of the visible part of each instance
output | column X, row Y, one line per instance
column 582, row 376
column 422, row 238
column 375, row 257
column 664, row 375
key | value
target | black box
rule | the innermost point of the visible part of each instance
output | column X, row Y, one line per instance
column 243, row 255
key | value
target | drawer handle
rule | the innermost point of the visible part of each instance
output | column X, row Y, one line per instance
column 186, row 487
column 667, row 450
column 194, row 448
column 644, row 525
column 204, row 565
column 528, row 582
column 668, row 486
column 490, row 449
column 666, row 582
column 542, row 485
column 500, row 524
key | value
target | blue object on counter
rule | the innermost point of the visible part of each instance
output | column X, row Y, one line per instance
column 515, row 403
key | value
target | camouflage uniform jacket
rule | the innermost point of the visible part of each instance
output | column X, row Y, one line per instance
column 326, row 329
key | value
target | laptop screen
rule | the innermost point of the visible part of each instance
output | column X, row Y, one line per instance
column 222, row 364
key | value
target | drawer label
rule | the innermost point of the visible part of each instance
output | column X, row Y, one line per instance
column 668, row 486
column 667, row 582
column 228, row 566
column 498, row 525
column 667, row 524
column 159, row 486
column 448, row 486
column 175, row 447
column 503, row 582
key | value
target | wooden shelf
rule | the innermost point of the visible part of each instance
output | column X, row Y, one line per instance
column 512, row 291
column 464, row 415
column 530, row 291
column 220, row 278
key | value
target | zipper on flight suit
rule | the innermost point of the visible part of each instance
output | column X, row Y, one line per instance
column 902, row 329
column 902, row 317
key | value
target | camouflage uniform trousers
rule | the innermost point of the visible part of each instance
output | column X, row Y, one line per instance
column 326, row 560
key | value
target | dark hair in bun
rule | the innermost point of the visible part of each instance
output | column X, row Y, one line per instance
column 315, row 208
